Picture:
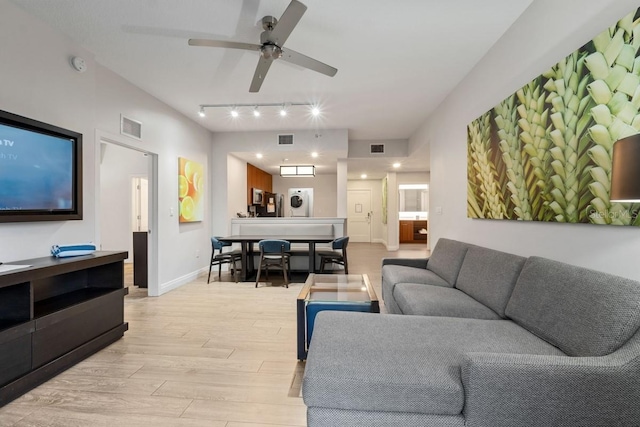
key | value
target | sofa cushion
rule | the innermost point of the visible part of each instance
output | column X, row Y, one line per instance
column 446, row 259
column 426, row 300
column 393, row 274
column 581, row 311
column 489, row 276
column 387, row 362
column 401, row 274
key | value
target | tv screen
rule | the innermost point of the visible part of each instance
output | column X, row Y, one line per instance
column 40, row 171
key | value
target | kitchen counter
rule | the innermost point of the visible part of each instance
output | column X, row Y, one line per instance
column 339, row 224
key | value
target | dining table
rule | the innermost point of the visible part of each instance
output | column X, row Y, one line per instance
column 247, row 241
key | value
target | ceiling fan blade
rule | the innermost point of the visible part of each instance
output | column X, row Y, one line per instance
column 304, row 61
column 261, row 72
column 287, row 22
column 224, row 43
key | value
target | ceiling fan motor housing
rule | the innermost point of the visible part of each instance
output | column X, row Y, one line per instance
column 270, row 51
column 269, row 22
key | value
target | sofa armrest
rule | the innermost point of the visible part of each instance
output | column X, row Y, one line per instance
column 526, row 390
column 407, row 262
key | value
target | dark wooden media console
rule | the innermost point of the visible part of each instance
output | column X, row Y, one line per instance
column 55, row 313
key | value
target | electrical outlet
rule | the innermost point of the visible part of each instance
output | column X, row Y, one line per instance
column 439, row 210
column 197, row 253
column 170, row 211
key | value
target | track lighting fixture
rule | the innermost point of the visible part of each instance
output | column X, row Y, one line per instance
column 257, row 109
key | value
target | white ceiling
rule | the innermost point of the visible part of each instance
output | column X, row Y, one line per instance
column 396, row 61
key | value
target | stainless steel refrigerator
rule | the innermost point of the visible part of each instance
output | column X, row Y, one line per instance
column 273, row 205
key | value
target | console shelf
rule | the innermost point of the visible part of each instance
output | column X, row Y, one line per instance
column 55, row 313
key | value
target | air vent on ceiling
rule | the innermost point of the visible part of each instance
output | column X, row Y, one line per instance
column 377, row 149
column 285, row 139
column 130, row 127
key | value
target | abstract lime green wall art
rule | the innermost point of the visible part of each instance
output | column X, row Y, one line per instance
column 544, row 153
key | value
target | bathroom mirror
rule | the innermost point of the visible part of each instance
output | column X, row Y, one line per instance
column 413, row 201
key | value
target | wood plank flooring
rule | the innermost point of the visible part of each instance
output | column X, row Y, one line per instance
column 218, row 355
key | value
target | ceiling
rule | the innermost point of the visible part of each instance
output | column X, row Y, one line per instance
column 396, row 61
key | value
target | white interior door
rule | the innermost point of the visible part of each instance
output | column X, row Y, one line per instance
column 140, row 204
column 359, row 215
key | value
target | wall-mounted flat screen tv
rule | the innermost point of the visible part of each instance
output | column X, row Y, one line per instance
column 40, row 171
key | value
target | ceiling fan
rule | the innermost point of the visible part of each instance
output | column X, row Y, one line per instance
column 271, row 45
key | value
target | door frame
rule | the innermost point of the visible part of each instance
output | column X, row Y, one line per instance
column 109, row 138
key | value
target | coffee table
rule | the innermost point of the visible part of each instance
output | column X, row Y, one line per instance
column 338, row 292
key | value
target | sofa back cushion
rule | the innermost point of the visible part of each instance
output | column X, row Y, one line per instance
column 488, row 276
column 446, row 259
column 581, row 311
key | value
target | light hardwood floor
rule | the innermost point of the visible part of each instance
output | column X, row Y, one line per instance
column 216, row 355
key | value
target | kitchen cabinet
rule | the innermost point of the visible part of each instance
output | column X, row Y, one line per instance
column 406, row 231
column 257, row 178
column 413, row 231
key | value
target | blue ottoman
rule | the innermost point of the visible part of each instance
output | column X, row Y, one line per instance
column 313, row 308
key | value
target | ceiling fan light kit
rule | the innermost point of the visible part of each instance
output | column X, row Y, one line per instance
column 275, row 34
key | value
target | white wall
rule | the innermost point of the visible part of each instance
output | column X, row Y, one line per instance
column 324, row 193
column 413, row 177
column 184, row 249
column 38, row 82
column 118, row 166
column 535, row 42
column 237, row 190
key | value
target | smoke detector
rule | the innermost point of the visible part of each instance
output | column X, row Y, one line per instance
column 78, row 64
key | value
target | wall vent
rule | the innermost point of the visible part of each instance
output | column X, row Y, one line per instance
column 377, row 148
column 285, row 139
column 130, row 127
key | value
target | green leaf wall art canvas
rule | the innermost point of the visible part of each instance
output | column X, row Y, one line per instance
column 544, row 153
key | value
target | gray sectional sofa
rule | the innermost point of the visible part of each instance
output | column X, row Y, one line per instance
column 479, row 337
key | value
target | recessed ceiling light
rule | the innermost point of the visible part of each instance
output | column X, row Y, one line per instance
column 315, row 111
column 201, row 112
column 256, row 112
column 314, row 154
column 259, row 155
column 234, row 113
column 396, row 165
column 283, row 112
column 363, row 176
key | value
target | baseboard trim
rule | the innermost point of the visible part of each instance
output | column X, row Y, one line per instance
column 183, row 280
